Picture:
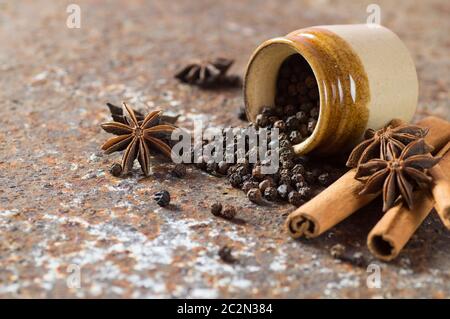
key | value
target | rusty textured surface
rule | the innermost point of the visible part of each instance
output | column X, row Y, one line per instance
column 59, row 206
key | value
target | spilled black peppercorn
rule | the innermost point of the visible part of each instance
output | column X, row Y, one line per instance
column 226, row 256
column 216, row 209
column 229, row 212
column 162, row 198
column 254, row 195
column 116, row 169
column 179, row 170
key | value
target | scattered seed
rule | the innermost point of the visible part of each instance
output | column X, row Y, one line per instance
column 162, row 198
column 225, row 254
column 254, row 195
column 216, row 209
column 116, row 169
column 271, row 193
column 295, row 199
column 179, row 170
column 229, row 212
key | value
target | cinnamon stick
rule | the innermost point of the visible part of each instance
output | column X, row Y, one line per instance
column 341, row 199
column 330, row 207
column 441, row 189
column 395, row 228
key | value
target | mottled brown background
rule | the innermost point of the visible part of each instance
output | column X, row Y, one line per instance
column 60, row 207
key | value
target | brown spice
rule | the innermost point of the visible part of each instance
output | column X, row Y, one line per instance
column 225, row 254
column 376, row 143
column 398, row 175
column 136, row 138
column 229, row 212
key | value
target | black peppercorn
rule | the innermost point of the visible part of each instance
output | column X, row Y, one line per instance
column 304, row 130
column 324, row 179
column 231, row 170
column 295, row 137
column 314, row 113
column 289, row 110
column 235, row 180
column 211, row 166
column 285, row 144
column 311, row 125
column 301, row 159
column 248, row 185
column 270, row 193
column 273, row 119
column 297, row 178
column 265, row 183
column 162, row 198
column 256, row 173
column 302, row 89
column 254, row 195
column 295, row 199
column 242, row 169
column 179, row 170
column 115, row 169
column 267, row 111
column 283, row 191
column 306, row 107
column 292, row 123
column 287, row 164
column 222, row 167
column 302, row 117
column 300, row 185
column 310, row 82
column 313, row 93
column 298, row 169
column 229, row 212
column 280, row 125
column 216, row 209
column 284, row 179
column 309, row 177
column 292, row 89
column 262, row 120
column 226, row 256
column 285, row 172
column 305, row 192
column 316, row 172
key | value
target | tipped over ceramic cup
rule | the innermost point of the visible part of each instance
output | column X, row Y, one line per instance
column 365, row 78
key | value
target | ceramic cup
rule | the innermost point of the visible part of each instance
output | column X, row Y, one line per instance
column 365, row 75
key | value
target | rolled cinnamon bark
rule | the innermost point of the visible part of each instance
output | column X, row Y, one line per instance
column 395, row 228
column 330, row 207
column 441, row 188
column 341, row 199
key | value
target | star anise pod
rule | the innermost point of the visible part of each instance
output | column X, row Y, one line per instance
column 205, row 73
column 399, row 175
column 376, row 143
column 118, row 115
column 137, row 137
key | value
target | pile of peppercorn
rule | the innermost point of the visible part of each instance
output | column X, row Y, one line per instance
column 295, row 114
column 296, row 102
column 297, row 180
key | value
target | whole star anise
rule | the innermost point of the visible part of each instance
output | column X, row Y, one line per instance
column 398, row 175
column 376, row 143
column 137, row 137
column 204, row 73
